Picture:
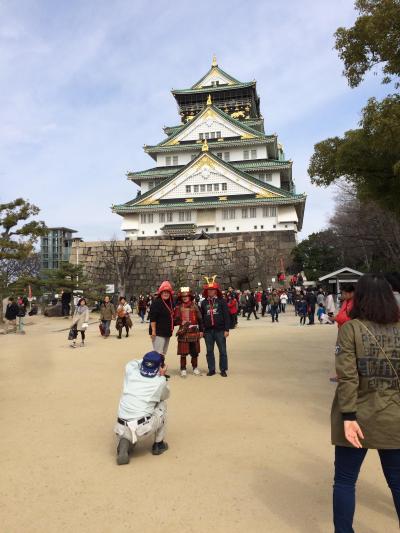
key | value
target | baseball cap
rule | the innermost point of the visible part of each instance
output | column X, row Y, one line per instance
column 150, row 364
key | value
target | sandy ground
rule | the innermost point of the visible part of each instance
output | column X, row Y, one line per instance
column 248, row 453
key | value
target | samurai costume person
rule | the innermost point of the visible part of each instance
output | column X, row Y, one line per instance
column 188, row 318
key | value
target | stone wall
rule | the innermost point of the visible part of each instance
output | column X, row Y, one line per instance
column 240, row 260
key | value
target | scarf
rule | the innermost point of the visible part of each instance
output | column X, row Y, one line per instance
column 170, row 311
column 81, row 309
column 211, row 305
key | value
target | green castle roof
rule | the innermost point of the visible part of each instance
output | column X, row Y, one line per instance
column 248, row 177
column 256, row 164
column 222, row 114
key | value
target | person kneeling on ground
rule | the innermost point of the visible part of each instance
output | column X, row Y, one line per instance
column 142, row 408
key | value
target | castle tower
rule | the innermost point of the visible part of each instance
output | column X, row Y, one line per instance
column 215, row 173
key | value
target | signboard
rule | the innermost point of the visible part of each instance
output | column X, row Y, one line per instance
column 110, row 289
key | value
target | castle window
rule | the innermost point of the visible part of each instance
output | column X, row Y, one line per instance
column 216, row 187
column 195, row 188
column 188, row 188
column 254, row 154
column 227, row 156
column 185, row 216
column 265, row 176
column 255, row 227
column 212, row 135
column 253, row 212
column 269, row 211
column 202, row 188
column 224, row 186
column 228, row 214
column 168, row 160
column 201, row 136
column 245, row 213
column 219, row 154
column 161, row 217
column 169, row 217
column 146, row 218
column 245, row 154
column 218, row 135
column 209, row 187
column 175, row 160
column 206, row 135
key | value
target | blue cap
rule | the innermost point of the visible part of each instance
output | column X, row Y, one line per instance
column 150, row 365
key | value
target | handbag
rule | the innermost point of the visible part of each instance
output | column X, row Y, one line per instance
column 382, row 350
column 73, row 333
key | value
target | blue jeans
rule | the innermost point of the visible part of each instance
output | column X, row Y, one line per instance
column 106, row 325
column 348, row 462
column 212, row 336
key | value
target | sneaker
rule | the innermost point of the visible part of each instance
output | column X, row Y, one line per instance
column 123, row 452
column 82, row 344
column 183, row 373
column 159, row 448
column 196, row 372
column 209, row 373
column 73, row 345
column 224, row 374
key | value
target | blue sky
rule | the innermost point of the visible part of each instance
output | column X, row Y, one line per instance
column 84, row 84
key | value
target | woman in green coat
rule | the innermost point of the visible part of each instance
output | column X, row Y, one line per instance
column 366, row 408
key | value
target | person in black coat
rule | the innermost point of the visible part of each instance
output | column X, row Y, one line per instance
column 311, row 300
column 251, row 305
column 216, row 321
column 12, row 311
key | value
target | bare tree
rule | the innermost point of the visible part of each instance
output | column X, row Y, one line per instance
column 119, row 261
column 369, row 235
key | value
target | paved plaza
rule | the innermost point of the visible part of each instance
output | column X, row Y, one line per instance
column 248, row 453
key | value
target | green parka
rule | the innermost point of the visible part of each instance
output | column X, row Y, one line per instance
column 368, row 389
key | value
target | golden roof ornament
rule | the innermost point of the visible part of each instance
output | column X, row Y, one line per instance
column 209, row 100
column 214, row 61
column 204, row 148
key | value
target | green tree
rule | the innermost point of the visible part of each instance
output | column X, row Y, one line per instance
column 317, row 255
column 373, row 40
column 368, row 157
column 18, row 235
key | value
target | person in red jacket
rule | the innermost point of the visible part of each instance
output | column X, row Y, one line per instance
column 343, row 315
column 347, row 304
column 233, row 309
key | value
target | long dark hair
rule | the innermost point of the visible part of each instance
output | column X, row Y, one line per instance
column 374, row 300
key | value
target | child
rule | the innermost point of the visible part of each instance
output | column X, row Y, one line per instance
column 327, row 318
column 302, row 310
column 321, row 311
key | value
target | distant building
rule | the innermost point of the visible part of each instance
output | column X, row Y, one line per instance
column 55, row 247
